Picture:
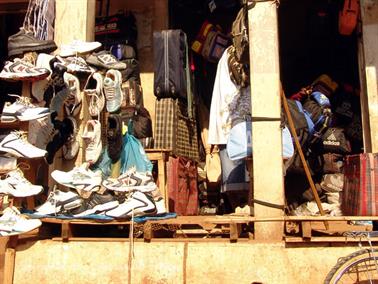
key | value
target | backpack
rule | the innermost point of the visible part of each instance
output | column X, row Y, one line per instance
column 239, row 34
column 140, row 118
column 348, row 17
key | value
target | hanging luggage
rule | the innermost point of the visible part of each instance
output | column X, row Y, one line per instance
column 175, row 129
column 182, row 186
column 170, row 78
column 360, row 193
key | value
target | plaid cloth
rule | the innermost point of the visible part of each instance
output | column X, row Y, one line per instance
column 360, row 193
column 182, row 186
column 174, row 130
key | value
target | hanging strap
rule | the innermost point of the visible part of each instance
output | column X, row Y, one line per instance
column 189, row 93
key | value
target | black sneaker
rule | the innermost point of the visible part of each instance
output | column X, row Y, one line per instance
column 24, row 41
column 64, row 131
column 96, row 203
column 114, row 135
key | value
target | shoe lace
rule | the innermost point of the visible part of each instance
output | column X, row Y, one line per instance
column 18, row 175
column 109, row 92
column 21, row 135
column 26, row 101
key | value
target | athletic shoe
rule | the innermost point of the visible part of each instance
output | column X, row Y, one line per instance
column 59, row 202
column 160, row 206
column 16, row 144
column 95, row 204
column 92, row 139
column 72, row 145
column 131, row 181
column 40, row 132
column 56, row 86
column 136, row 204
column 18, row 185
column 105, row 59
column 95, row 94
column 7, row 164
column 112, row 90
column 22, row 70
column 78, row 47
column 72, row 104
column 64, row 129
column 13, row 223
column 39, row 87
column 25, row 41
column 79, row 178
column 22, row 109
column 114, row 135
column 76, row 64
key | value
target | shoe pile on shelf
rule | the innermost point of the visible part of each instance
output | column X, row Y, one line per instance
column 60, row 84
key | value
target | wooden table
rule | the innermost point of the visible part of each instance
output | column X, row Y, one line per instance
column 161, row 156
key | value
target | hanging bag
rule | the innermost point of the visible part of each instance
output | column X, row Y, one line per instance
column 348, row 17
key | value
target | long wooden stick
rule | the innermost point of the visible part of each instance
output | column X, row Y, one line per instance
column 303, row 160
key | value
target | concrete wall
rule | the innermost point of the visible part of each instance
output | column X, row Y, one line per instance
column 172, row 262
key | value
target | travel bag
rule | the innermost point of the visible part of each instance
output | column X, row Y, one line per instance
column 182, row 186
column 170, row 50
column 175, row 129
column 360, row 192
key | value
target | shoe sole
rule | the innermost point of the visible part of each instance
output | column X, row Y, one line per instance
column 99, row 208
column 47, row 48
column 13, row 152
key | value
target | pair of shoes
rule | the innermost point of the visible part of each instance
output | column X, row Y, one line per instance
column 92, row 139
column 25, row 41
column 136, row 204
column 80, row 178
column 16, row 144
column 23, row 110
column 17, row 185
column 112, row 90
column 95, row 204
column 20, row 70
column 130, row 181
column 13, row 223
column 59, row 202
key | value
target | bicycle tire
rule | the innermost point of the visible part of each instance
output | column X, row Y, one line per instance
column 347, row 268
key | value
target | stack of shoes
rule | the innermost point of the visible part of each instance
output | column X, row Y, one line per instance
column 13, row 223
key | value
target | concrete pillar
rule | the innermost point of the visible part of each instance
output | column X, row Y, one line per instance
column 265, row 98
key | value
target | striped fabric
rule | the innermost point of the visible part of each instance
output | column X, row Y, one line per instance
column 360, row 193
column 174, row 130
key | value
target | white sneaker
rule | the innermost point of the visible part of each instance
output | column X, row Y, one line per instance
column 22, row 109
column 7, row 164
column 92, row 138
column 72, row 104
column 16, row 144
column 78, row 47
column 112, row 90
column 39, row 87
column 18, row 185
column 79, row 178
column 137, row 204
column 59, row 201
column 71, row 147
column 40, row 132
column 13, row 223
column 95, row 94
column 22, row 70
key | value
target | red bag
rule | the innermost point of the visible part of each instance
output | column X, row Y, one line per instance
column 360, row 193
column 182, row 186
column 348, row 17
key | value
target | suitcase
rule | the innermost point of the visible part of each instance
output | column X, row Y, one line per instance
column 182, row 186
column 170, row 50
column 360, row 193
column 174, row 129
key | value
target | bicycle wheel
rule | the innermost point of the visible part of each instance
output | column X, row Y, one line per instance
column 358, row 267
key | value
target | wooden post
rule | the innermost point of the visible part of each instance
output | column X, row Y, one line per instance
column 74, row 19
column 265, row 98
column 369, row 74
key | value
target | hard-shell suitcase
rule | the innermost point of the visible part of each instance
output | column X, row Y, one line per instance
column 360, row 192
column 169, row 50
column 182, row 186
